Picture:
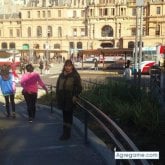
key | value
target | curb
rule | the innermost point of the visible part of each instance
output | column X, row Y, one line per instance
column 97, row 72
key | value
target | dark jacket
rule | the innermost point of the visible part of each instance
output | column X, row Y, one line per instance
column 67, row 87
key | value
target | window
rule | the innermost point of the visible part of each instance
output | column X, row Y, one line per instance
column 56, row 46
column 82, row 13
column 74, row 14
column 82, row 31
column 11, row 32
column 131, row 44
column 133, row 31
column 75, row 32
column 157, row 30
column 59, row 31
column 105, row 11
column 28, row 14
column 112, row 11
column 107, row 31
column 122, row 11
column 71, row 45
column 75, row 2
column 39, row 31
column 18, row 33
column 29, row 32
column 119, row 29
column 59, row 13
column 133, row 12
column 4, row 45
column 158, row 10
column 38, row 14
column 49, row 31
column 100, row 12
column 43, row 3
column 43, row 14
column 91, row 11
column 12, row 45
column 79, row 45
column 49, row 13
column 36, row 46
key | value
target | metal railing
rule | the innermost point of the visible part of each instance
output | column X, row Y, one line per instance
column 116, row 135
column 121, row 141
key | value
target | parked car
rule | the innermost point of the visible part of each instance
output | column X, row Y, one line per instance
column 145, row 66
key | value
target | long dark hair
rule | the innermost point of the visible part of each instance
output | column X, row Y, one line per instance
column 69, row 62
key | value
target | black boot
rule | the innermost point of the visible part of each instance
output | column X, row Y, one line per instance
column 66, row 133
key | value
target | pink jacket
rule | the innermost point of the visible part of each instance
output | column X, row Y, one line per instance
column 30, row 82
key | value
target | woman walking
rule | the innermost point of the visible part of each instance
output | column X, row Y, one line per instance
column 8, row 88
column 30, row 81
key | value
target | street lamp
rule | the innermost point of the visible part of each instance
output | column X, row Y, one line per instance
column 138, row 39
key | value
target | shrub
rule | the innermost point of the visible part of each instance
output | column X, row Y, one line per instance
column 126, row 104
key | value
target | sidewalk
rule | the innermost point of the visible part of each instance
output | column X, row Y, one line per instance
column 37, row 143
column 56, row 68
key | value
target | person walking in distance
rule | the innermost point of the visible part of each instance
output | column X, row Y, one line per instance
column 127, row 72
column 8, row 88
column 41, row 65
column 68, row 88
column 30, row 81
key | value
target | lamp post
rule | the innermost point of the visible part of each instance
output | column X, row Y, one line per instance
column 47, row 44
column 138, row 39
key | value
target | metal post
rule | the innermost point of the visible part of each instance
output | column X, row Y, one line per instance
column 47, row 30
column 139, row 3
column 86, row 127
column 140, row 45
column 136, row 46
column 51, row 104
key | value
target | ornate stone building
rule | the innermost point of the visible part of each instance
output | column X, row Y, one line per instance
column 73, row 25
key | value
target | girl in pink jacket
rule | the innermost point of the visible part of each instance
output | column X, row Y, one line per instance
column 30, row 81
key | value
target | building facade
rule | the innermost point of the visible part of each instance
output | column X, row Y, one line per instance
column 73, row 25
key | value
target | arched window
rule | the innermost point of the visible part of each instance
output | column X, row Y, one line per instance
column 131, row 44
column 71, row 45
column 39, row 31
column 107, row 31
column 29, row 32
column 4, row 45
column 12, row 45
column 79, row 45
